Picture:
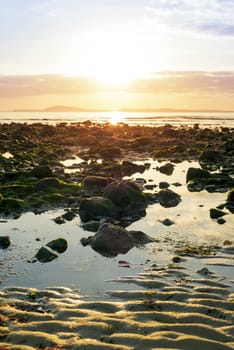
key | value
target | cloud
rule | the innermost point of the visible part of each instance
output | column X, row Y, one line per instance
column 31, row 85
column 205, row 16
column 193, row 82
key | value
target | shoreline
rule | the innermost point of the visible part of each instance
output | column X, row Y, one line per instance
column 189, row 314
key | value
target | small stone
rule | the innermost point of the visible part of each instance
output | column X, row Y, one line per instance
column 167, row 222
column 216, row 213
column 59, row 245
column 176, row 259
column 44, row 255
column 204, row 271
column 221, row 221
column 5, row 242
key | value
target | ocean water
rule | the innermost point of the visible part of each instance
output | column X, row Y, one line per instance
column 204, row 119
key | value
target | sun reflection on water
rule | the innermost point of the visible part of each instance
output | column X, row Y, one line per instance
column 116, row 117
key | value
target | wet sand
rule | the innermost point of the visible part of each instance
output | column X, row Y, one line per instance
column 173, row 311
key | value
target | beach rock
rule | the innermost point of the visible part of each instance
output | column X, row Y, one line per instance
column 96, row 181
column 59, row 245
column 230, row 195
column 210, row 157
column 5, row 242
column 167, row 222
column 95, row 208
column 168, row 198
column 196, row 173
column 130, row 168
column 11, row 206
column 166, row 169
column 111, row 240
column 124, row 193
column 163, row 184
column 45, row 255
column 42, row 171
column 216, row 213
column 47, row 183
column 110, row 153
column 91, row 226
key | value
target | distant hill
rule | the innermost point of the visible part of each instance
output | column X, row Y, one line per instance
column 134, row 110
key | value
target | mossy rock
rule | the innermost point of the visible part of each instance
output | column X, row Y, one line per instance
column 17, row 190
column 42, row 171
column 59, row 245
column 96, row 181
column 11, row 205
column 95, row 208
column 33, row 202
column 124, row 193
column 1, row 196
column 49, row 183
column 54, row 198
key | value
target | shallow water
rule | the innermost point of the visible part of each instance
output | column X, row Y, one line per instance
column 82, row 268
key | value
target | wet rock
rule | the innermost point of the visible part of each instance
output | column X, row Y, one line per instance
column 130, row 168
column 59, row 245
column 221, row 221
column 124, row 193
column 210, row 157
column 163, row 184
column 110, row 153
column 5, row 242
column 216, row 213
column 166, row 169
column 45, row 255
column 42, row 171
column 91, row 226
column 96, row 181
column 196, row 173
column 11, row 206
column 47, row 183
column 111, row 240
column 167, row 222
column 168, row 198
column 95, row 208
column 230, row 195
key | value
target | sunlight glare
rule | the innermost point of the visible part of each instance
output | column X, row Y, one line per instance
column 115, row 117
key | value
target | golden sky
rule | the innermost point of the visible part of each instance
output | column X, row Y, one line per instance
column 109, row 54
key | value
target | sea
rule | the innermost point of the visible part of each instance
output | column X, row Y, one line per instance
column 203, row 119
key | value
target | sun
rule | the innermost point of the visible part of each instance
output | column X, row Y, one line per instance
column 113, row 59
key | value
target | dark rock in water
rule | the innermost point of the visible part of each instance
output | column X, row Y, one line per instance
column 230, row 195
column 167, row 222
column 42, row 171
column 221, row 221
column 130, row 168
column 111, row 240
column 110, row 153
column 95, row 208
column 196, row 173
column 167, row 169
column 47, row 183
column 230, row 206
column 45, row 255
column 216, row 213
column 85, row 241
column 229, row 146
column 59, row 245
column 11, row 206
column 210, row 157
column 168, row 198
column 69, row 215
column 124, row 193
column 5, row 242
column 96, row 181
column 163, row 184
column 91, row 226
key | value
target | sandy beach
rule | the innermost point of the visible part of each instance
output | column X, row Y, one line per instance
column 174, row 311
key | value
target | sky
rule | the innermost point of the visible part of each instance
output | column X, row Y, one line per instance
column 116, row 54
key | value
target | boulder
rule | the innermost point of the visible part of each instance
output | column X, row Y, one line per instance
column 124, row 193
column 59, row 245
column 11, row 206
column 210, row 157
column 47, row 183
column 230, row 195
column 95, row 208
column 130, row 168
column 42, row 171
column 166, row 169
column 5, row 242
column 168, row 198
column 111, row 240
column 216, row 213
column 196, row 173
column 96, row 181
column 45, row 255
